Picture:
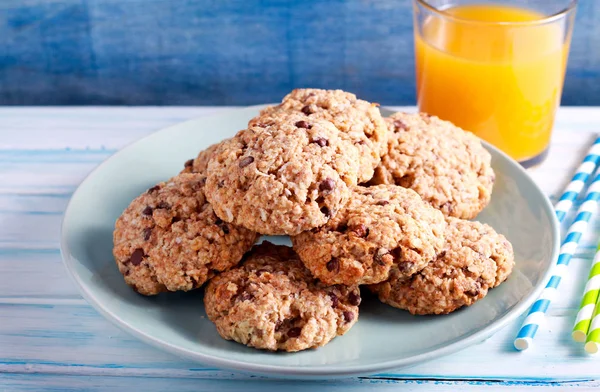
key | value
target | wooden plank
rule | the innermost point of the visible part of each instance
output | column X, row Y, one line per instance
column 73, row 339
column 52, row 383
column 90, row 128
column 238, row 52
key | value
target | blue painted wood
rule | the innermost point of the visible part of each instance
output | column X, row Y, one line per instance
column 228, row 52
column 52, row 340
column 54, row 383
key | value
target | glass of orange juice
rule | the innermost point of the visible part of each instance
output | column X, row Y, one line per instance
column 495, row 68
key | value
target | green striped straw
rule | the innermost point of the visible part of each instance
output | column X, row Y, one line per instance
column 592, row 344
column 588, row 303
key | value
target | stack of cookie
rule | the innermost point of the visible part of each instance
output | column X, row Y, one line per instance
column 366, row 201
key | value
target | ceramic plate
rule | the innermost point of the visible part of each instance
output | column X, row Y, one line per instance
column 384, row 338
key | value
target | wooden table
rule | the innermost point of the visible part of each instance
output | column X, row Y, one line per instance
column 51, row 339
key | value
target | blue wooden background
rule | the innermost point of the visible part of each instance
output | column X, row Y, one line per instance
column 220, row 52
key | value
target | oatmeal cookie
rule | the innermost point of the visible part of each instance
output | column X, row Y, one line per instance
column 282, row 178
column 475, row 259
column 272, row 302
column 360, row 120
column 169, row 238
column 382, row 229
column 447, row 166
column 200, row 163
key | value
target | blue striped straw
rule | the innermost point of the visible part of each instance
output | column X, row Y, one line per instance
column 578, row 181
column 578, row 228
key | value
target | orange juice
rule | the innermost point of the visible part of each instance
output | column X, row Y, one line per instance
column 502, row 81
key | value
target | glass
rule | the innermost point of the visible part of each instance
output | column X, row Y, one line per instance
column 494, row 68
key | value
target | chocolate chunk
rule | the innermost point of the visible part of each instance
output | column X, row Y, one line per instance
column 246, row 296
column 225, row 229
column 246, row 161
column 306, row 110
column 354, row 299
column 397, row 254
column 447, row 207
column 475, row 291
column 382, row 203
column 303, row 124
column 154, row 189
column 175, row 219
column 147, row 233
column 189, row 163
column 399, row 124
column 378, row 258
column 294, row 332
column 163, row 205
column 321, row 141
column 406, row 267
column 327, row 185
column 334, row 299
column 137, row 256
column 360, row 230
column 348, row 316
column 342, row 227
column 147, row 211
column 325, row 211
column 333, row 265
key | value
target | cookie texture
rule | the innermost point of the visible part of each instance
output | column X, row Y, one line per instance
column 447, row 166
column 284, row 178
column 200, row 163
column 272, row 302
column 169, row 238
column 475, row 259
column 360, row 120
column 381, row 230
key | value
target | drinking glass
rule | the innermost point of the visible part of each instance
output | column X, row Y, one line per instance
column 495, row 68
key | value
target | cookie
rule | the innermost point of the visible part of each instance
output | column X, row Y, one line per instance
column 200, row 163
column 382, row 229
column 447, row 166
column 360, row 120
column 169, row 238
column 272, row 302
column 283, row 178
column 475, row 259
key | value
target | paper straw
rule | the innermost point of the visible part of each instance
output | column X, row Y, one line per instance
column 588, row 303
column 578, row 181
column 578, row 228
column 592, row 344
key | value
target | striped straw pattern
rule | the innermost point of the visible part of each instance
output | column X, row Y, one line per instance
column 592, row 344
column 578, row 181
column 538, row 310
column 588, row 303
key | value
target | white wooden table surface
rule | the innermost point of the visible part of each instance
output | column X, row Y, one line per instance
column 52, row 340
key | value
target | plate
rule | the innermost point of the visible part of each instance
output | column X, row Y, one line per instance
column 384, row 338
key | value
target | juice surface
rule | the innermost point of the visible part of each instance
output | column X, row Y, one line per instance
column 501, row 81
